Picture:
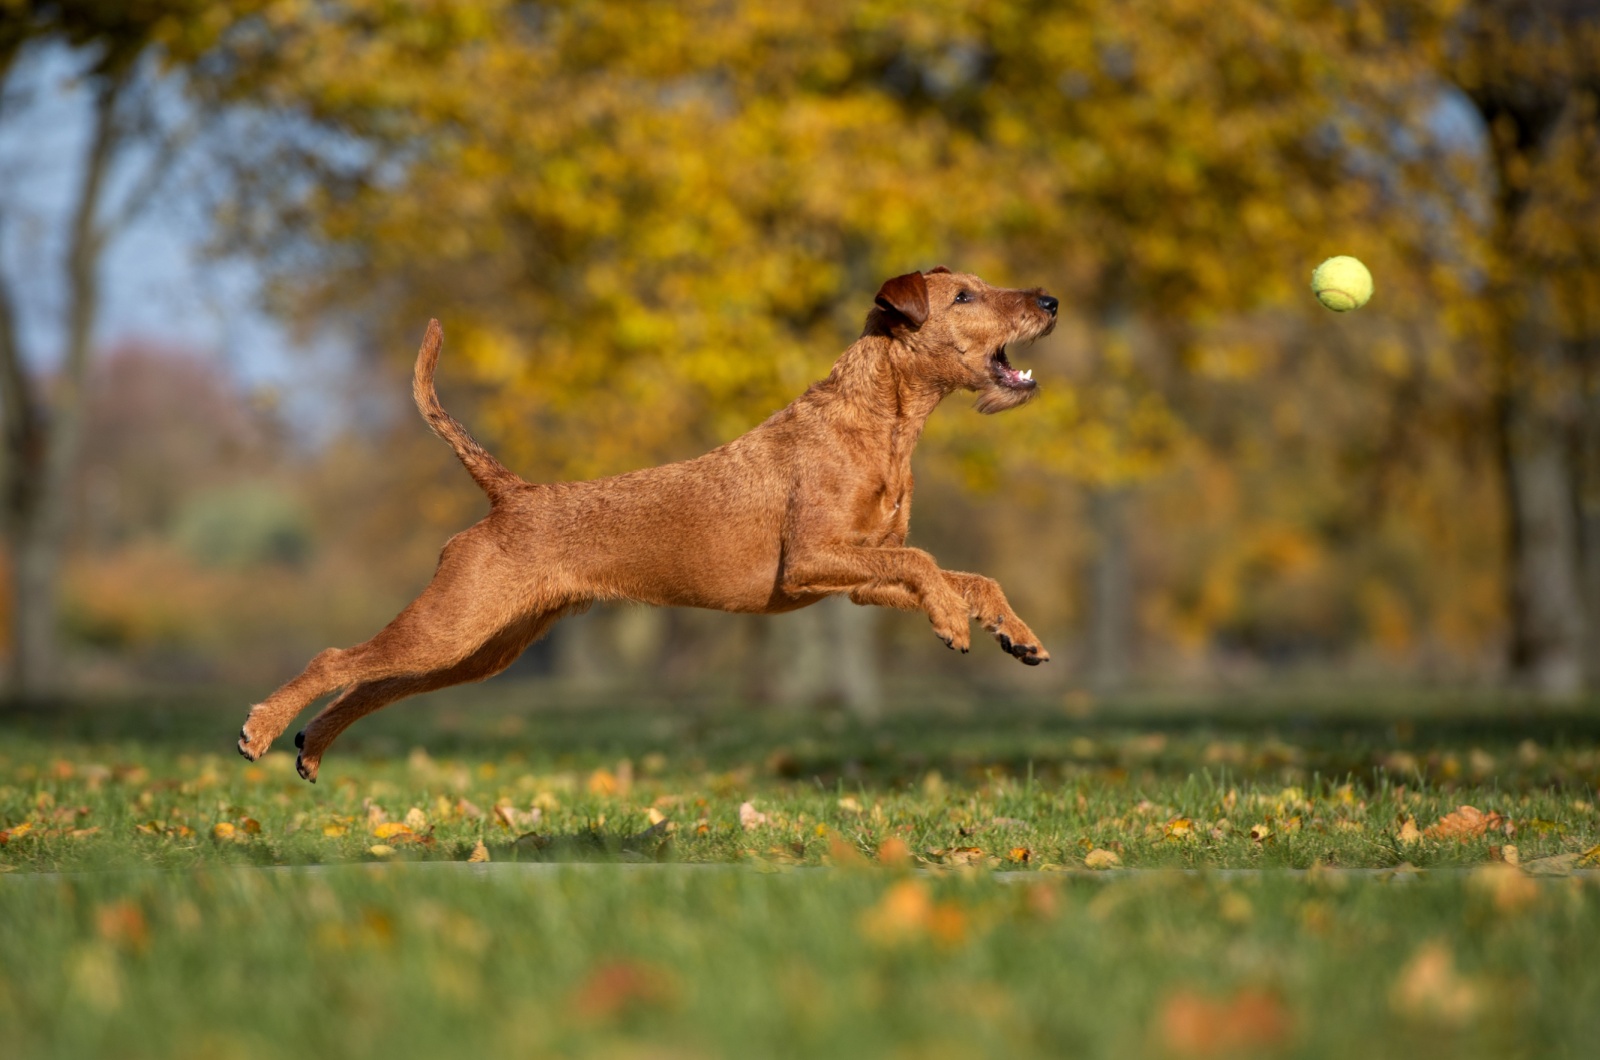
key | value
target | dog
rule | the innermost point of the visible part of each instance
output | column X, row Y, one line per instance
column 814, row 502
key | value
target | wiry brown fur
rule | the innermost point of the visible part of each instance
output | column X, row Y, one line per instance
column 816, row 501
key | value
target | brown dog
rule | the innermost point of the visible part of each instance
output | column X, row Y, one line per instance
column 813, row 502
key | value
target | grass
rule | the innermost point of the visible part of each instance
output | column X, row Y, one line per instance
column 944, row 926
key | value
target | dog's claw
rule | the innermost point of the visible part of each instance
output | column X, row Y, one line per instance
column 300, row 767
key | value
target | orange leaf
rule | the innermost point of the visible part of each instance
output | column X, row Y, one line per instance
column 615, row 989
column 1194, row 1025
column 894, row 853
column 1467, row 822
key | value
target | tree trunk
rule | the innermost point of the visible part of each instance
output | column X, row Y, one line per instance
column 1111, row 590
column 1544, row 579
column 1588, row 471
column 827, row 653
column 44, row 428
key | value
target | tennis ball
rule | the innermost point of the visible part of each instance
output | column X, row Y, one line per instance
column 1342, row 284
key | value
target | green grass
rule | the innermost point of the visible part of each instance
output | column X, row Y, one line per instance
column 764, row 954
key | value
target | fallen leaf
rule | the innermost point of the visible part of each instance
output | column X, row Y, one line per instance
column 222, row 831
column 615, row 989
column 956, row 855
column 416, row 820
column 1429, row 988
column 901, row 914
column 750, row 818
column 1195, row 1025
column 655, row 816
column 843, row 854
column 122, row 923
column 1260, row 833
column 16, row 831
column 1179, row 828
column 894, row 853
column 1508, row 887
column 1101, row 859
column 603, row 782
column 334, row 830
column 1555, row 865
column 381, row 850
column 1466, row 822
column 849, row 804
column 480, row 853
column 390, row 829
column 1022, row 855
column 1409, row 832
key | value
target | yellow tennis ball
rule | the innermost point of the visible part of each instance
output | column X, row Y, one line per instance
column 1342, row 284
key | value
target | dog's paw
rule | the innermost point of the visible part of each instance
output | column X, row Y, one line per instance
column 307, row 770
column 956, row 638
column 252, row 747
column 1029, row 653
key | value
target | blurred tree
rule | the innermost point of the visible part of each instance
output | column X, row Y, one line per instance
column 681, row 207
column 123, row 47
column 1532, row 69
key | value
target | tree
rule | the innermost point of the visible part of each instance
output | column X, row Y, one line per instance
column 1532, row 70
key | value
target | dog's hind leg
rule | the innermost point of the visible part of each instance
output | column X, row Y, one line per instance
column 494, row 655
column 477, row 594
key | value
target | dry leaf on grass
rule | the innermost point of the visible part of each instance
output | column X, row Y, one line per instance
column 480, row 853
column 894, row 853
column 1466, row 822
column 615, row 989
column 1101, row 859
column 956, row 855
column 1409, row 832
column 1194, row 1025
column 1430, row 989
column 750, row 818
column 907, row 912
column 1507, row 886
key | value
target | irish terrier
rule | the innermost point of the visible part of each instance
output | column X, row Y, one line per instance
column 814, row 502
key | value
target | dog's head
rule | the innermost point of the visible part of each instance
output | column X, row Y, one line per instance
column 956, row 328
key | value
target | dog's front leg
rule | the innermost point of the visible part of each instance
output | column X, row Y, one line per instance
column 986, row 602
column 907, row 578
column 993, row 612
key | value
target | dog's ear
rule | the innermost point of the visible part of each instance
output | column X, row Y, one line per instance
column 938, row 269
column 906, row 295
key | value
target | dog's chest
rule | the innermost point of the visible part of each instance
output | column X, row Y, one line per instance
column 884, row 515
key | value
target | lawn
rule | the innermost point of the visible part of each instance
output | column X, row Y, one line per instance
column 700, row 881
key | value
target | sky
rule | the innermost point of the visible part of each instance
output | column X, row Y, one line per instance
column 159, row 287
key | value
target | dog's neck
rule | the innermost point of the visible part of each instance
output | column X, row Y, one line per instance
column 879, row 393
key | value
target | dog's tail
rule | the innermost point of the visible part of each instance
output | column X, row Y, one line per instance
column 491, row 475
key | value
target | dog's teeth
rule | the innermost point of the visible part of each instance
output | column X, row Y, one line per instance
column 1028, row 375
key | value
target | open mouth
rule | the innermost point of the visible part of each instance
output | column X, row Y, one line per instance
column 1007, row 376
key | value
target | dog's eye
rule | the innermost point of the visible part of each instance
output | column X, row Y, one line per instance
column 963, row 296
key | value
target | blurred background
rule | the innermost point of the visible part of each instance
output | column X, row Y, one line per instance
column 647, row 225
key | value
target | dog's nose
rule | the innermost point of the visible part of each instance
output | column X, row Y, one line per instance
column 1048, row 304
